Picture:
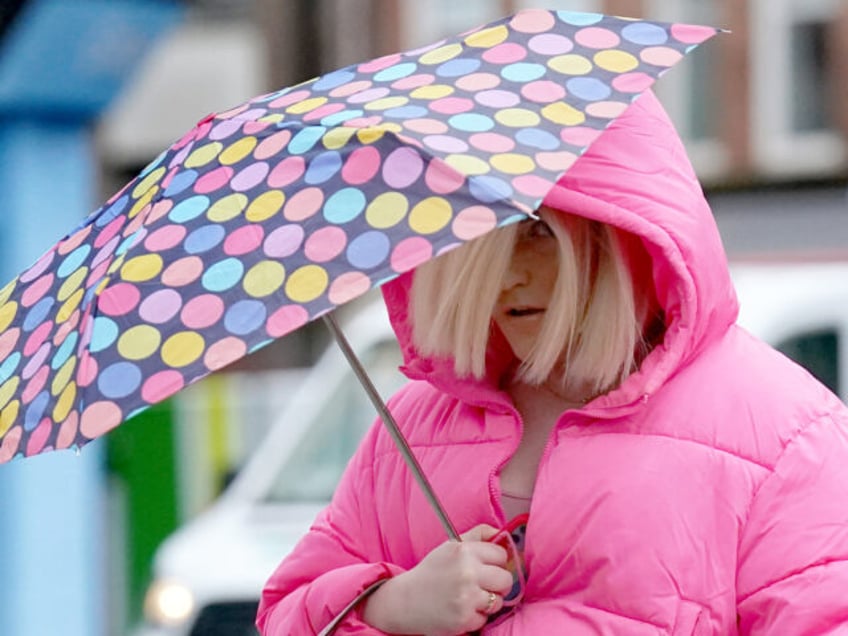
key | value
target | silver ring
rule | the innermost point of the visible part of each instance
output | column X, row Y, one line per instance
column 490, row 603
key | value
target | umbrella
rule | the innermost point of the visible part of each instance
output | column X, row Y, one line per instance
column 268, row 215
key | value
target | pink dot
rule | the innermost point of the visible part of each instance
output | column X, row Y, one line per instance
column 491, row 142
column 379, row 64
column 119, row 299
column 159, row 209
column 97, row 274
column 243, row 240
column 323, row 111
column 402, row 167
column 287, row 171
column 543, row 92
column 104, row 253
column 441, row 178
column 99, row 418
column 214, row 180
column 285, row 320
column 364, row 122
column 414, row 81
column 369, row 95
column 451, row 105
column 597, row 38
column 270, row 146
column 632, row 82
column 66, row 327
column 35, row 384
column 349, row 89
column 254, row 127
column 10, row 442
column 224, row 352
column 556, row 161
column 579, row 135
column 160, row 306
column 68, row 430
column 606, row 110
column 478, row 82
column 87, row 370
column 284, row 241
column 183, row 271
column 202, row 311
column 289, row 98
column 532, row 185
column 112, row 228
column 38, row 267
column 38, row 337
column 691, row 33
column 505, row 53
column 303, row 204
column 161, row 385
column 74, row 241
column 36, row 290
column 361, row 166
column 325, row 244
column 36, row 361
column 8, row 340
column 426, row 126
column 550, row 44
column 347, row 287
column 165, row 238
column 411, row 253
column 38, row 437
column 661, row 56
column 532, row 21
column 474, row 221
column 250, row 177
column 497, row 98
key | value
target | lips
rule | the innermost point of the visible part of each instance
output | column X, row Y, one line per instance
column 521, row 312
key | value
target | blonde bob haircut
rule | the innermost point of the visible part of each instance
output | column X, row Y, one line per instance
column 591, row 335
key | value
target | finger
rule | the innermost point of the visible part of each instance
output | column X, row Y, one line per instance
column 483, row 532
column 495, row 579
column 488, row 553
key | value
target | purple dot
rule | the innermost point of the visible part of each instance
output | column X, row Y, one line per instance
column 402, row 168
column 284, row 241
column 160, row 306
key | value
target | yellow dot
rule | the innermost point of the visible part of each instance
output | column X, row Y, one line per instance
column 563, row 114
column 65, row 403
column 441, row 54
column 299, row 108
column 7, row 291
column 468, row 165
column 616, row 61
column 265, row 206
column 517, row 117
column 72, row 283
column 273, row 118
column 430, row 215
column 386, row 103
column 182, row 349
column 7, row 314
column 8, row 416
column 370, row 135
column 513, row 163
column 63, row 376
column 264, row 278
column 8, row 389
column 69, row 306
column 203, row 155
column 237, row 151
column 142, row 268
column 488, row 37
column 139, row 342
column 386, row 210
column 228, row 207
column 307, row 283
column 436, row 91
column 143, row 202
column 338, row 137
column 570, row 64
column 148, row 182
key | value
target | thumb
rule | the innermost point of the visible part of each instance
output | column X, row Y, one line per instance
column 483, row 532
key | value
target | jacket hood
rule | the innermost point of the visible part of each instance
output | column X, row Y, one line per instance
column 635, row 176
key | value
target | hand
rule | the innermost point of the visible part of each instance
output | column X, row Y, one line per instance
column 448, row 593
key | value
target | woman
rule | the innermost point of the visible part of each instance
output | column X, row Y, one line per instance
column 679, row 476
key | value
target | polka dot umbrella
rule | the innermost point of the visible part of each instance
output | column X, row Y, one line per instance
column 268, row 215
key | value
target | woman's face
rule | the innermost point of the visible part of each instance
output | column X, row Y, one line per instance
column 527, row 286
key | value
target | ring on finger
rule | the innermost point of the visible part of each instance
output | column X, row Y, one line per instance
column 490, row 604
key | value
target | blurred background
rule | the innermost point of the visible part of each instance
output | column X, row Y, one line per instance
column 92, row 90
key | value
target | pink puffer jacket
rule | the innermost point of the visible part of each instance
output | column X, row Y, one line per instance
column 706, row 495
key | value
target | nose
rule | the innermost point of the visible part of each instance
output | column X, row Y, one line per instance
column 516, row 275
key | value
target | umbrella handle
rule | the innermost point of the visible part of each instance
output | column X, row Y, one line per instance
column 391, row 426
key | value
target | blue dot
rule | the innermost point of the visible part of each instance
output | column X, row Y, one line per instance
column 305, row 139
column 131, row 241
column 344, row 205
column 181, row 181
column 339, row 118
column 395, row 72
column 38, row 312
column 588, row 88
column 119, row 380
column 35, row 410
column 104, row 332
column 368, row 250
column 579, row 19
column 72, row 261
column 332, row 80
column 522, row 72
column 537, row 138
column 223, row 275
column 458, row 67
column 244, row 317
column 64, row 351
column 204, row 239
column 406, row 112
column 109, row 214
column 488, row 189
column 644, row 34
column 7, row 368
column 471, row 122
column 153, row 164
column 189, row 209
column 323, row 167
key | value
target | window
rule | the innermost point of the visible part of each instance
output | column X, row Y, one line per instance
column 818, row 352
column 794, row 127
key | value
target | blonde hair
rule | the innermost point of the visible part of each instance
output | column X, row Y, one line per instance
column 593, row 335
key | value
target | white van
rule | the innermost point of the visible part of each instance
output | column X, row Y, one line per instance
column 209, row 574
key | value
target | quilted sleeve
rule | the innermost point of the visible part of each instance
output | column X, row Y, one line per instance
column 793, row 560
column 329, row 567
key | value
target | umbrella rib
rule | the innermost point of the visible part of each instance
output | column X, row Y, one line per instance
column 391, row 426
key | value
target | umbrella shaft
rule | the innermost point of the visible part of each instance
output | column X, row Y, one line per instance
column 391, row 426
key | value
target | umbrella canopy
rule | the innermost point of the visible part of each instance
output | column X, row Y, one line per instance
column 268, row 215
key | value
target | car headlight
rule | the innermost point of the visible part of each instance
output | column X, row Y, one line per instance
column 168, row 603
